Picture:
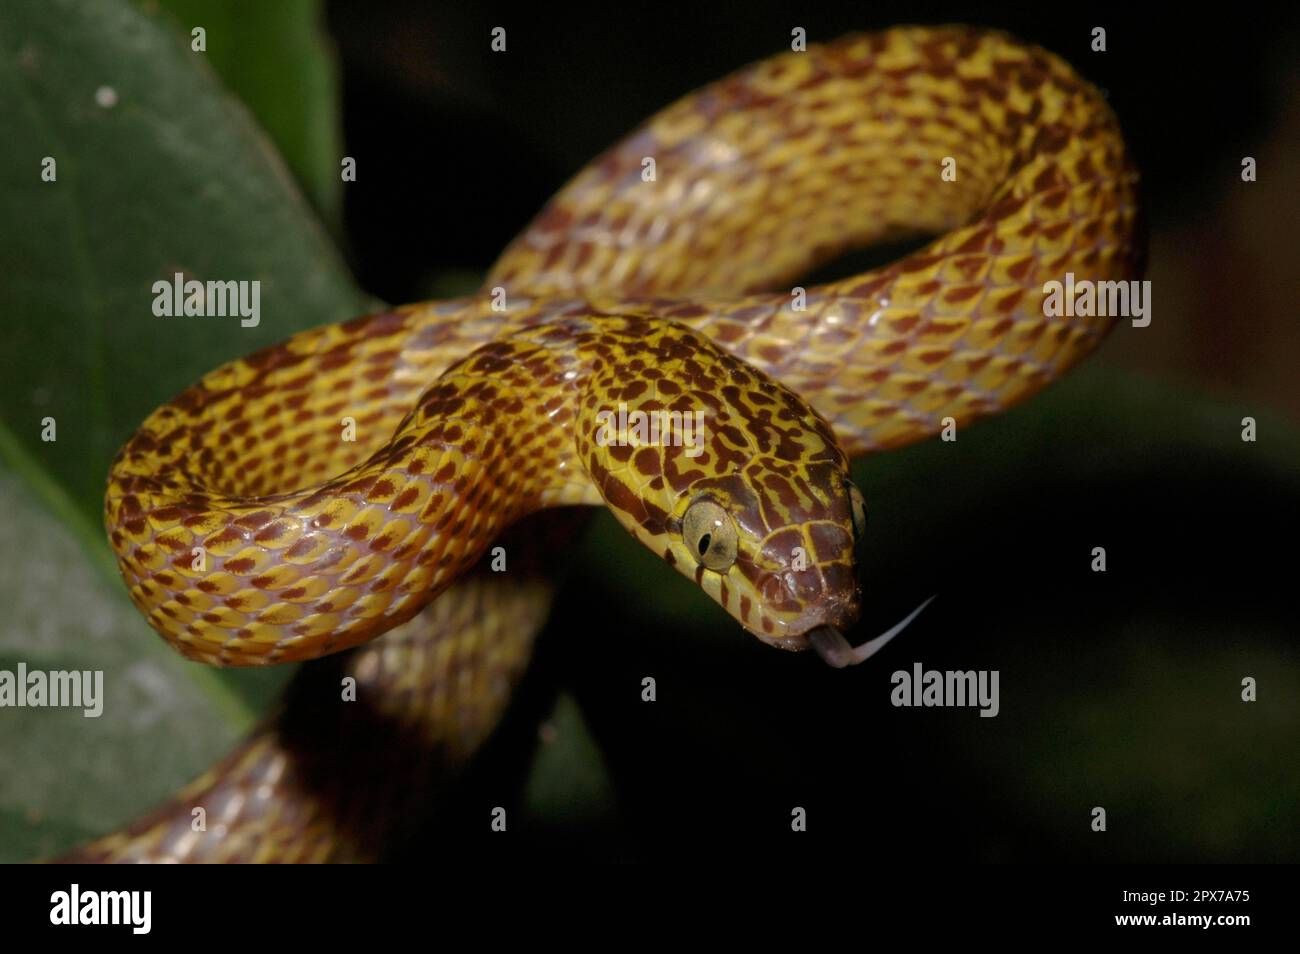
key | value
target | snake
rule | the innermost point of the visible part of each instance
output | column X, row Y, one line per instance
column 340, row 498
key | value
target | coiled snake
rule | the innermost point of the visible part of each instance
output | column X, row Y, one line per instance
column 250, row 532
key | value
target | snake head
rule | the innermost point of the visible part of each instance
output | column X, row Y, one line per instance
column 774, row 543
column 742, row 487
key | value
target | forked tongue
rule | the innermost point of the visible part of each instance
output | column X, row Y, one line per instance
column 836, row 651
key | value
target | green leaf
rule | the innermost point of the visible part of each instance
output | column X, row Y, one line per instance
column 65, row 777
column 278, row 60
column 159, row 171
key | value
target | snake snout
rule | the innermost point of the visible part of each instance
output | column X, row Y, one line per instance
column 802, row 601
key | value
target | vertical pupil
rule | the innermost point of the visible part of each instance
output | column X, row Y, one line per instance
column 704, row 543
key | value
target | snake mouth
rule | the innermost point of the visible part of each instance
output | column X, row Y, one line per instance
column 836, row 652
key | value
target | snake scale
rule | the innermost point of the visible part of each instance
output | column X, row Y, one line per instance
column 250, row 532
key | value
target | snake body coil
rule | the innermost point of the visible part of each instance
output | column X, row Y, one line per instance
column 672, row 293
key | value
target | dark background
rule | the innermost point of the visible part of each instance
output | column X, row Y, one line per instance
column 1119, row 690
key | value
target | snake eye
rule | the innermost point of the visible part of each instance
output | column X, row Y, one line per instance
column 710, row 533
column 858, row 505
